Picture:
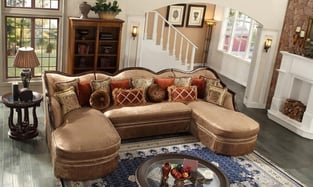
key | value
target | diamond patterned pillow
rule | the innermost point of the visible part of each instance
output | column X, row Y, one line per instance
column 128, row 97
column 182, row 94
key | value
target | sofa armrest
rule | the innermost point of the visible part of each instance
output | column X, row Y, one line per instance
column 229, row 101
column 55, row 113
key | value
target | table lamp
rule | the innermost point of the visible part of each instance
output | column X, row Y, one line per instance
column 26, row 58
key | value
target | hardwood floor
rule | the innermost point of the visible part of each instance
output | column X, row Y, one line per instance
column 27, row 163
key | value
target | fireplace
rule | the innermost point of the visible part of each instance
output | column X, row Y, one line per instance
column 294, row 109
column 294, row 84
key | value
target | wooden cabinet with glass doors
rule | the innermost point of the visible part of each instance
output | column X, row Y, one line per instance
column 94, row 45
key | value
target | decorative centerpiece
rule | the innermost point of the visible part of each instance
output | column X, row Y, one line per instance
column 84, row 10
column 106, row 10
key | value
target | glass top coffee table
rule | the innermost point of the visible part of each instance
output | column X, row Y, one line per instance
column 149, row 173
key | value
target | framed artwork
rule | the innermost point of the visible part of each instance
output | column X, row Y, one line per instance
column 195, row 16
column 176, row 14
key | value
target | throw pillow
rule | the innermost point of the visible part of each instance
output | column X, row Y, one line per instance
column 142, row 82
column 101, row 84
column 216, row 95
column 182, row 81
column 68, row 100
column 60, row 86
column 200, row 83
column 128, row 97
column 124, row 84
column 212, row 81
column 100, row 99
column 84, row 90
column 164, row 82
column 182, row 94
column 156, row 93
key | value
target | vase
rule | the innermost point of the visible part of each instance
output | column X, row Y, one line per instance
column 106, row 15
column 166, row 168
column 84, row 10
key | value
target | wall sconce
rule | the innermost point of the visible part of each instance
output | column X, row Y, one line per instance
column 210, row 22
column 134, row 31
column 267, row 44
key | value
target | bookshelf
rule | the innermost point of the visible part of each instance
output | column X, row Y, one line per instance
column 94, row 45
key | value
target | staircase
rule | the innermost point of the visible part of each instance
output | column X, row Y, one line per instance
column 170, row 48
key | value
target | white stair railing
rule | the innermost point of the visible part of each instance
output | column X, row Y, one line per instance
column 167, row 36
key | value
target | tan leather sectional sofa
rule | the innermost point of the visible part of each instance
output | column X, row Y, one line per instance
column 84, row 143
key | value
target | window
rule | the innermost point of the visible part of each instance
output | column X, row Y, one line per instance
column 34, row 29
column 49, row 4
column 239, row 34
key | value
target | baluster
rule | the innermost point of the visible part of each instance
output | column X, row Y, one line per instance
column 174, row 43
column 192, row 59
column 181, row 49
column 146, row 26
column 162, row 33
column 155, row 27
column 186, row 54
column 168, row 39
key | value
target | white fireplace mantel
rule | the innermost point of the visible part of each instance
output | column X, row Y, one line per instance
column 295, row 81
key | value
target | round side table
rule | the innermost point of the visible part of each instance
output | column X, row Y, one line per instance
column 22, row 129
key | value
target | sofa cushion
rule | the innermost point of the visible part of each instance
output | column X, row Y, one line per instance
column 123, row 83
column 200, row 83
column 84, row 90
column 101, row 84
column 86, row 133
column 127, row 97
column 215, row 95
column 223, row 122
column 182, row 81
column 142, row 82
column 164, row 82
column 100, row 99
column 60, row 86
column 68, row 100
column 165, row 111
column 182, row 94
column 156, row 93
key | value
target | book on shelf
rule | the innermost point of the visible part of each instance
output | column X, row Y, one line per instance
column 83, row 49
column 106, row 36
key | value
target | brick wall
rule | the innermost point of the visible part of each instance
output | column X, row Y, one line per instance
column 297, row 14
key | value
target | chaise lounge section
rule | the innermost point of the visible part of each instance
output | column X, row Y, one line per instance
column 84, row 141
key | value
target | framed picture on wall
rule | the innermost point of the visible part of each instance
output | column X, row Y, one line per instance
column 176, row 14
column 195, row 16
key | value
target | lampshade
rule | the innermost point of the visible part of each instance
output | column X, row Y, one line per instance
column 26, row 58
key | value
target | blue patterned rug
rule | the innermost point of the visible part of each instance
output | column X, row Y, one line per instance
column 252, row 170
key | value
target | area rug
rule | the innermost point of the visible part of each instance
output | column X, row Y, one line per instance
column 251, row 170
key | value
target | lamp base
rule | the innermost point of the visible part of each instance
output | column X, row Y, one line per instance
column 26, row 76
